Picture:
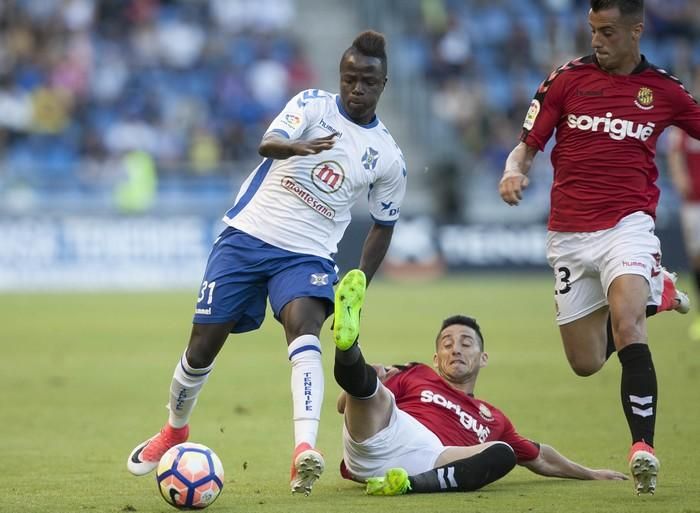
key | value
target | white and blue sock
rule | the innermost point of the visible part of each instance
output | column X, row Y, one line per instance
column 184, row 389
column 307, row 387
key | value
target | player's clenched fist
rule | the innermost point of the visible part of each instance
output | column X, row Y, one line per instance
column 512, row 185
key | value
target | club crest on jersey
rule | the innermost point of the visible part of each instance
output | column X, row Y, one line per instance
column 328, row 176
column 645, row 98
column 485, row 413
column 319, row 279
column 531, row 115
column 370, row 158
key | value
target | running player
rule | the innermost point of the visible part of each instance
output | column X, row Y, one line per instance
column 608, row 109
column 411, row 419
column 684, row 168
column 322, row 153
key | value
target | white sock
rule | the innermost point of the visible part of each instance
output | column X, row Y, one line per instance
column 307, row 387
column 184, row 389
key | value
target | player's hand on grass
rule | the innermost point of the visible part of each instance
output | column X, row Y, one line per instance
column 605, row 474
column 512, row 185
column 313, row 146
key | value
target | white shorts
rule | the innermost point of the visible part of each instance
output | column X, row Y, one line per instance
column 690, row 221
column 404, row 443
column 586, row 263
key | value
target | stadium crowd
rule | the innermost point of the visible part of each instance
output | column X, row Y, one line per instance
column 484, row 59
column 195, row 83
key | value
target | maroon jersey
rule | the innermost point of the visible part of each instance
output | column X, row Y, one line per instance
column 455, row 417
column 690, row 149
column 606, row 132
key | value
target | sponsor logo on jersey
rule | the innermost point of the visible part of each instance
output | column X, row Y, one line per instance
column 465, row 419
column 330, row 128
column 531, row 115
column 328, row 176
column 307, row 197
column 203, row 311
column 370, row 158
column 645, row 98
column 318, row 279
column 617, row 129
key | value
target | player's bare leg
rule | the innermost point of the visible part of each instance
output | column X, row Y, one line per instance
column 627, row 297
column 585, row 342
column 302, row 319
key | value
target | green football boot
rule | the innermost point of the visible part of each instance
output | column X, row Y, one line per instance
column 348, row 302
column 394, row 482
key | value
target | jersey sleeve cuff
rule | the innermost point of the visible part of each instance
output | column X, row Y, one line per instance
column 383, row 222
column 280, row 132
column 531, row 140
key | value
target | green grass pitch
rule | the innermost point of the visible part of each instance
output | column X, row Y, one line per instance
column 85, row 377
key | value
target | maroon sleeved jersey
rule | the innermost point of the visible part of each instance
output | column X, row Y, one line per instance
column 456, row 418
column 606, row 132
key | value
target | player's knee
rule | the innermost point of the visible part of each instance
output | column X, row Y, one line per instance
column 585, row 366
column 504, row 453
column 199, row 359
column 299, row 327
column 628, row 331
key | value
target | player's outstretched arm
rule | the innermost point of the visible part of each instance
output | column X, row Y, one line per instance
column 515, row 178
column 374, row 249
column 550, row 463
column 274, row 146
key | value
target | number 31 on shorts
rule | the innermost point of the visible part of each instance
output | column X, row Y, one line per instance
column 206, row 285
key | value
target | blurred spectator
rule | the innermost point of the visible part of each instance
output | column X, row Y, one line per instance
column 136, row 192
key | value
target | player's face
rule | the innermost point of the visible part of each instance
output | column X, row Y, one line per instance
column 362, row 81
column 615, row 40
column 458, row 357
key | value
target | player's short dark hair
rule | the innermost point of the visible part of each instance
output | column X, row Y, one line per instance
column 370, row 44
column 464, row 320
column 628, row 8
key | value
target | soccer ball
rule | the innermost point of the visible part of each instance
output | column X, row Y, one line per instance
column 190, row 476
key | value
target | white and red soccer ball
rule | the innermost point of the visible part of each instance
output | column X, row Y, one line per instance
column 190, row 476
